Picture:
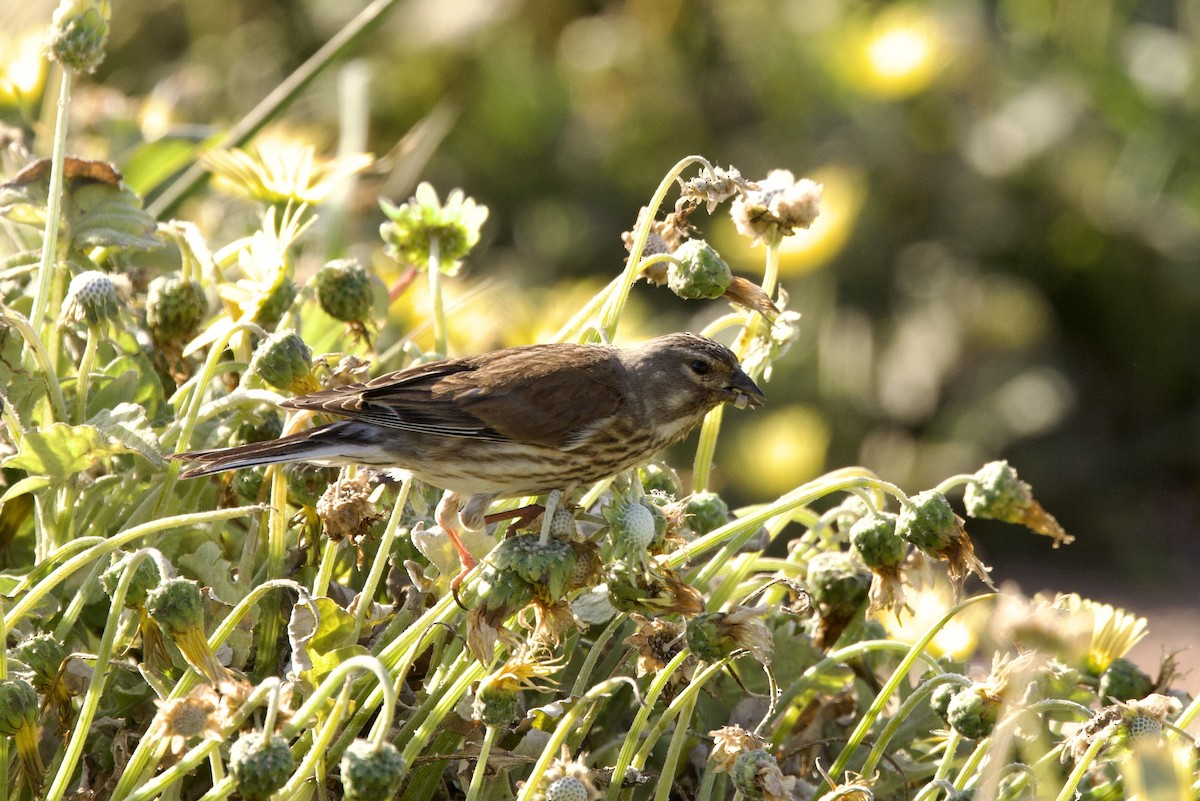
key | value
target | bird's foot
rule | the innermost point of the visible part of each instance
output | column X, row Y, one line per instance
column 520, row 517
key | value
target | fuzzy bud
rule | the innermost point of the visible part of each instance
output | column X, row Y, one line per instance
column 566, row 788
column 973, row 712
column 77, row 35
column 91, row 300
column 706, row 512
column 44, row 655
column 344, row 291
column 145, row 578
column 18, row 706
column 928, row 521
column 260, row 766
column 283, row 361
column 370, row 773
column 1124, row 681
column 698, row 272
column 874, row 537
column 174, row 308
column 177, row 606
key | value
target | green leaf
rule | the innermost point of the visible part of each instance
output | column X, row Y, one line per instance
column 25, row 485
column 127, row 424
column 317, row 639
column 60, row 451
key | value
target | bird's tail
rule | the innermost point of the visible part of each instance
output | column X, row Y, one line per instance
column 306, row 446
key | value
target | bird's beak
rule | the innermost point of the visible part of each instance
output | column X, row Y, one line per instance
column 743, row 392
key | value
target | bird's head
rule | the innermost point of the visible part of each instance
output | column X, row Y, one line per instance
column 689, row 374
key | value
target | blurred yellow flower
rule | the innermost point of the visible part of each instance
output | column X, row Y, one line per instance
column 897, row 53
column 930, row 597
column 22, row 68
column 282, row 169
column 781, row 449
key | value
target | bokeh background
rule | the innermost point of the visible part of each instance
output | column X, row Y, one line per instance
column 1006, row 265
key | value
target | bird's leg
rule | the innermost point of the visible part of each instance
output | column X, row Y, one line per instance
column 548, row 516
column 448, row 520
column 519, row 517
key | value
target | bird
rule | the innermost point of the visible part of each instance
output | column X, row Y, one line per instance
column 515, row 422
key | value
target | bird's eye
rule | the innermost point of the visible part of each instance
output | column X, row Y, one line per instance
column 701, row 367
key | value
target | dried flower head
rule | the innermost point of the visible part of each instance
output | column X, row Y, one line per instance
column 92, row 300
column 779, row 206
column 181, row 719
column 565, row 777
column 729, row 743
column 997, row 493
column 710, row 189
column 346, row 509
column 656, row 642
column 928, row 522
column 756, row 774
column 715, row 635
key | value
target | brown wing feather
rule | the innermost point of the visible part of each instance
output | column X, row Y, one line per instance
column 496, row 396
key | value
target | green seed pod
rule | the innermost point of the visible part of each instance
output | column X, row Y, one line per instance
column 344, row 291
column 44, row 655
column 370, row 774
column 176, row 605
column 278, row 300
column 566, row 788
column 175, row 308
column 699, row 271
column 633, row 529
column 260, row 767
column 973, row 712
column 563, row 525
column 503, row 589
column 588, row 566
column 876, row 540
column 1124, row 681
column 283, row 362
column 939, row 700
column 997, row 494
column 546, row 568
column 708, row 639
column 746, row 771
column 838, row 583
column 91, row 299
column 77, row 35
column 495, row 704
column 1142, row 726
column 656, row 476
column 706, row 512
column 145, row 578
column 18, row 706
column 928, row 521
column 308, row 482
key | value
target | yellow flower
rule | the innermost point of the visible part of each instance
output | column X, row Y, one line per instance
column 282, row 170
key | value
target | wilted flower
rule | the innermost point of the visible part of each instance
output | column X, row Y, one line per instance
column 756, row 774
column 710, row 189
column 656, row 642
column 415, row 224
column 996, row 493
column 729, row 743
column 181, row 719
column 497, row 696
column 928, row 522
column 779, row 206
column 346, row 509
column 564, row 779
column 715, row 635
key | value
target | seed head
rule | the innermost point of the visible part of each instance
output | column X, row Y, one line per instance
column 91, row 300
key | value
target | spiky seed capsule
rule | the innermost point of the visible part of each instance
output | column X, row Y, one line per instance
column 838, row 582
column 278, row 300
column 633, row 530
column 1124, row 681
column 997, row 493
column 973, row 712
column 588, row 567
column 344, row 291
column 283, row 361
column 698, row 272
column 145, row 578
column 1143, row 726
column 562, row 524
column 44, row 655
column 259, row 767
column 18, row 706
column 176, row 605
column 91, row 299
column 927, row 521
column 746, row 770
column 174, row 308
column 370, row 774
column 706, row 512
column 875, row 538
column 566, row 788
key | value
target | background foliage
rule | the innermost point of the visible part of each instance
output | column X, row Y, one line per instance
column 1006, row 265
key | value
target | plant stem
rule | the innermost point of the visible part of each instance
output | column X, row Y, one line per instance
column 477, row 778
column 83, row 379
column 381, row 556
column 440, row 343
column 49, row 264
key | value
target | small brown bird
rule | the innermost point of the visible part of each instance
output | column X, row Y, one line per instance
column 513, row 422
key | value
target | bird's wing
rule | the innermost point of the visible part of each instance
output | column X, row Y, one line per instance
column 531, row 395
